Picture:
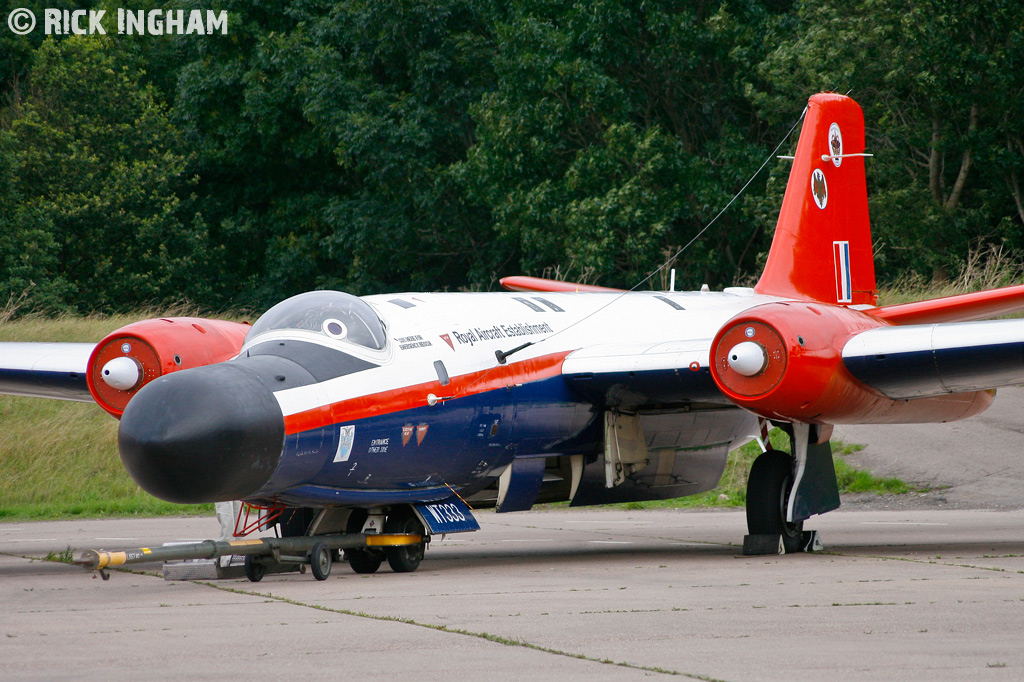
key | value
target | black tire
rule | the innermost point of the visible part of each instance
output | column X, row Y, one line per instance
column 320, row 560
column 364, row 560
column 254, row 569
column 361, row 560
column 768, row 490
column 295, row 521
column 406, row 558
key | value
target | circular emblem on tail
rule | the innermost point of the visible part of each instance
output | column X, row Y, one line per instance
column 835, row 144
column 819, row 188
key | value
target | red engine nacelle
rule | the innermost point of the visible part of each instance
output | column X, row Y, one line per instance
column 784, row 361
column 134, row 355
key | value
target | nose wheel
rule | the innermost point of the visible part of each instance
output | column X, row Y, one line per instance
column 403, row 558
column 361, row 560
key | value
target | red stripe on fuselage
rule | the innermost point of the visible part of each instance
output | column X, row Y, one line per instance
column 409, row 397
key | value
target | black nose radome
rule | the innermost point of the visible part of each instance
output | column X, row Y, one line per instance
column 202, row 435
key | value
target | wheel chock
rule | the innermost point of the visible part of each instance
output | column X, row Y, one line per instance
column 811, row 541
column 758, row 545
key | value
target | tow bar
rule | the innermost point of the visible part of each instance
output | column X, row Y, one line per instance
column 262, row 555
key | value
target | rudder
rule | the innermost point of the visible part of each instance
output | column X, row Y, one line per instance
column 822, row 245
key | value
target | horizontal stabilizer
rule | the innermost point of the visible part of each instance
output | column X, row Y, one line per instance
column 524, row 283
column 960, row 308
column 917, row 361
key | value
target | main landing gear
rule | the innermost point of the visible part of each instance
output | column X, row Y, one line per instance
column 768, row 489
column 784, row 490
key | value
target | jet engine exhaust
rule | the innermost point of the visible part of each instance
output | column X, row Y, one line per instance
column 207, row 434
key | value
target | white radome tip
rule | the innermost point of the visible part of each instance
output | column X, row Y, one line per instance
column 121, row 373
column 747, row 358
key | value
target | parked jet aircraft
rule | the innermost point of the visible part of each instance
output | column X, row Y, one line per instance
column 394, row 411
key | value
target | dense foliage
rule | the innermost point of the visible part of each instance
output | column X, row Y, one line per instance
column 440, row 144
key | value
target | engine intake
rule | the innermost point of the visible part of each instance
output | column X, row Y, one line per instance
column 136, row 354
column 784, row 361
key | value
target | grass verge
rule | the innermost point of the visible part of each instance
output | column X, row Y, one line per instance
column 59, row 460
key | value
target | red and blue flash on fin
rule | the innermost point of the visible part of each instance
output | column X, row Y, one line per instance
column 844, row 282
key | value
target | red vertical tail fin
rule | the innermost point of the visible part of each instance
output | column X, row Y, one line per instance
column 822, row 245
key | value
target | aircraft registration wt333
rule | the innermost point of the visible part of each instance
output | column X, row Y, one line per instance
column 391, row 412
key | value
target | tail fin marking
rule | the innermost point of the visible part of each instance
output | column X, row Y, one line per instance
column 824, row 215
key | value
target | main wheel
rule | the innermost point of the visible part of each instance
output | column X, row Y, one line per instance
column 364, row 560
column 768, row 491
column 254, row 569
column 405, row 558
column 320, row 561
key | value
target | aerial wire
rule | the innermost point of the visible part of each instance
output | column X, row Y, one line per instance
column 719, row 214
column 502, row 355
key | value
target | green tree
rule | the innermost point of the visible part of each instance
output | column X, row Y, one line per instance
column 324, row 131
column 16, row 50
column 616, row 131
column 938, row 81
column 91, row 188
column 373, row 146
column 422, row 144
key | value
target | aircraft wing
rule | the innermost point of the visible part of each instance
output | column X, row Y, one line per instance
column 916, row 361
column 46, row 370
column 899, row 362
column 122, row 362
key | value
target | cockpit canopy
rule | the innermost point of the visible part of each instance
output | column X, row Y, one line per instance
column 332, row 313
